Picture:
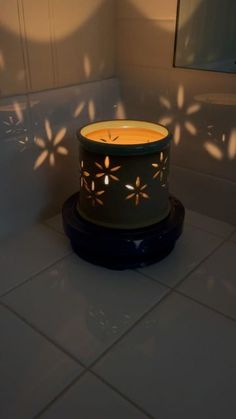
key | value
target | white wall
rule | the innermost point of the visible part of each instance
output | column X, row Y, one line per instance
column 198, row 106
column 54, row 43
column 46, row 45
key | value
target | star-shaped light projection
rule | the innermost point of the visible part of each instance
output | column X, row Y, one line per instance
column 161, row 169
column 179, row 115
column 83, row 174
column 24, row 143
column 13, row 126
column 137, row 193
column 107, row 171
column 14, row 123
column 228, row 150
column 109, row 138
column 50, row 146
column 93, row 194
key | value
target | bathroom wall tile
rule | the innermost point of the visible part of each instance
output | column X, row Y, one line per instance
column 150, row 9
column 208, row 195
column 112, row 104
column 38, row 40
column 151, row 42
column 141, row 90
column 203, row 112
column 12, row 61
column 84, row 40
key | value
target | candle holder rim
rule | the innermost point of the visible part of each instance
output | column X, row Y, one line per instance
column 124, row 149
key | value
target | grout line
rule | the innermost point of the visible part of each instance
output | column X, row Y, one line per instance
column 223, row 241
column 215, row 310
column 146, row 19
column 52, row 43
column 35, row 275
column 38, row 331
column 232, row 234
column 59, row 395
column 204, row 174
column 22, row 43
column 45, row 223
column 175, row 289
column 191, row 270
column 60, row 87
column 192, row 224
column 25, row 45
column 121, row 394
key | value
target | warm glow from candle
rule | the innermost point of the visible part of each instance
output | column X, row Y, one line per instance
column 125, row 135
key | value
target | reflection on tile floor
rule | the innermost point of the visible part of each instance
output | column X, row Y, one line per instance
column 82, row 341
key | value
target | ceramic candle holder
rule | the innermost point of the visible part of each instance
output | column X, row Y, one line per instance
column 123, row 217
column 124, row 170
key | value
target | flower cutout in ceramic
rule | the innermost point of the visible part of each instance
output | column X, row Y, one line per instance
column 107, row 172
column 161, row 170
column 50, row 146
column 83, row 174
column 137, row 191
column 93, row 194
column 179, row 117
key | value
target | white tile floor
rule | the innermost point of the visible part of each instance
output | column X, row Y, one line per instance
column 80, row 341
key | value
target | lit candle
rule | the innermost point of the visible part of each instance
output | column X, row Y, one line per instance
column 124, row 132
column 125, row 135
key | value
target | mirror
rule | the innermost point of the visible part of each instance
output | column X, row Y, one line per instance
column 206, row 35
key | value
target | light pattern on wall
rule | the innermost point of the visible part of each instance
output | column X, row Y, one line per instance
column 50, row 146
column 89, row 107
column 14, row 122
column 137, row 191
column 218, row 153
column 107, row 172
column 13, row 126
column 179, row 115
column 2, row 61
column 24, row 143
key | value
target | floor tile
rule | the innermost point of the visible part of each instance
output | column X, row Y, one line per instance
column 28, row 254
column 177, row 362
column 217, row 227
column 32, row 370
column 192, row 247
column 56, row 223
column 83, row 307
column 214, row 282
column 92, row 399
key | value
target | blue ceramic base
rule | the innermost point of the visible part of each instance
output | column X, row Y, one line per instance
column 122, row 249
